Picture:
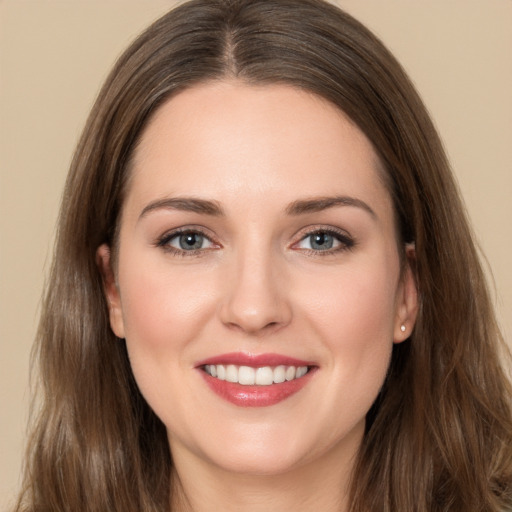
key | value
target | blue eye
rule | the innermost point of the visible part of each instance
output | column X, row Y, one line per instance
column 325, row 241
column 321, row 241
column 186, row 241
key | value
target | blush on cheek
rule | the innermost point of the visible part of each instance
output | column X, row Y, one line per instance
column 364, row 308
column 165, row 306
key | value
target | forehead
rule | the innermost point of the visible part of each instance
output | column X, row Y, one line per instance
column 243, row 141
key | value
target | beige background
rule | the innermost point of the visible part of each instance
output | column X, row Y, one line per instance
column 55, row 54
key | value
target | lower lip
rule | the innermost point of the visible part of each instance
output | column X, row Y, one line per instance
column 256, row 396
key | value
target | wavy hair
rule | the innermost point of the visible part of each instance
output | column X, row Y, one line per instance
column 439, row 436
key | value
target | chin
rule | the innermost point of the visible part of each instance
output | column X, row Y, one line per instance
column 259, row 462
column 246, row 451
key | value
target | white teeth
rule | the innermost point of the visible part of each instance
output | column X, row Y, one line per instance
column 262, row 376
column 231, row 373
column 301, row 371
column 290, row 373
column 279, row 374
column 221, row 372
column 246, row 375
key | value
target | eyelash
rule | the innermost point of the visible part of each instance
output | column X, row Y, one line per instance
column 164, row 240
column 346, row 242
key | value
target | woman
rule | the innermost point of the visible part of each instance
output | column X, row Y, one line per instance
column 265, row 294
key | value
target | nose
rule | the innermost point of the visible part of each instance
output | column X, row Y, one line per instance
column 255, row 299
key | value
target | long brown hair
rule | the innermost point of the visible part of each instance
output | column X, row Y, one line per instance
column 438, row 438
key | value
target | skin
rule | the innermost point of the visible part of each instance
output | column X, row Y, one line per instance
column 256, row 285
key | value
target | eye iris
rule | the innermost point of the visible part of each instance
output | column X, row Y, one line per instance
column 190, row 241
column 321, row 241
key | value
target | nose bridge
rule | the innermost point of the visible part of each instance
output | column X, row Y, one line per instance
column 255, row 300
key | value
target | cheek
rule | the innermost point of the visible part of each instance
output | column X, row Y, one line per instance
column 164, row 313
column 163, row 307
column 358, row 302
column 353, row 315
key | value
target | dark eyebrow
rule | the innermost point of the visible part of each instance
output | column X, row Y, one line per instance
column 317, row 204
column 187, row 204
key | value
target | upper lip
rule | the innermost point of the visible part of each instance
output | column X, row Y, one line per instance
column 254, row 360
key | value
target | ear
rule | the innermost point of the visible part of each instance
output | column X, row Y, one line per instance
column 111, row 290
column 407, row 298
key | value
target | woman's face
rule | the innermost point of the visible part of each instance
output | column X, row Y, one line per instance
column 257, row 243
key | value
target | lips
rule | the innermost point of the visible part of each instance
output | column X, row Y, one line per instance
column 255, row 380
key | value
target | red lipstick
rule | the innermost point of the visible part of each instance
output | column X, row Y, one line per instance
column 263, row 382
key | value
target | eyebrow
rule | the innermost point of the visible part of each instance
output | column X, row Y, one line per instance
column 186, row 204
column 317, row 204
column 299, row 207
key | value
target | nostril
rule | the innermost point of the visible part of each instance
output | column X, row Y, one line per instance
column 254, row 328
column 254, row 307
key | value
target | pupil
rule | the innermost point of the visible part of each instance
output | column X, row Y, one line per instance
column 321, row 241
column 191, row 241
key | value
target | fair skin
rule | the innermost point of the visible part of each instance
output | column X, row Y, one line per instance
column 289, row 250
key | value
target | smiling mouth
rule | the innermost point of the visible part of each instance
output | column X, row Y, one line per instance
column 256, row 380
column 259, row 376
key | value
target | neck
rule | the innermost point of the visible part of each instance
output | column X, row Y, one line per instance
column 200, row 486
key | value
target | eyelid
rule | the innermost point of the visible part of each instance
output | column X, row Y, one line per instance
column 162, row 241
column 347, row 241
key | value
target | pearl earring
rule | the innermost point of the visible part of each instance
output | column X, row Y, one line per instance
column 402, row 328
